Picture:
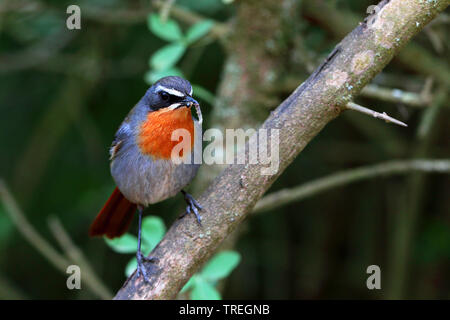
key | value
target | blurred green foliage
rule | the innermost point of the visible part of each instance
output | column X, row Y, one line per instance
column 201, row 285
column 162, row 62
column 64, row 93
column 153, row 230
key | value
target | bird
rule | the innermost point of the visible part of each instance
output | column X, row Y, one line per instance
column 141, row 164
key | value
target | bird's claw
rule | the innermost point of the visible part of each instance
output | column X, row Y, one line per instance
column 141, row 269
column 192, row 206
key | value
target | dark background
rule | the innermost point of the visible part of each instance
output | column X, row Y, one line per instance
column 63, row 94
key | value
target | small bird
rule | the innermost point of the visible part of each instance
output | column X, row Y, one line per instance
column 141, row 162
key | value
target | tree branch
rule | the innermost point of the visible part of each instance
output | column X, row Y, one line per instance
column 219, row 29
column 396, row 96
column 286, row 196
column 373, row 91
column 405, row 223
column 60, row 262
column 232, row 195
column 339, row 23
column 77, row 257
column 29, row 233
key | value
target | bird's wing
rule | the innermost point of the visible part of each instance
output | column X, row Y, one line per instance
column 115, row 147
column 121, row 135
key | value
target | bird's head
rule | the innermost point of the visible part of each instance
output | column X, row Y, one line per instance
column 164, row 109
column 171, row 93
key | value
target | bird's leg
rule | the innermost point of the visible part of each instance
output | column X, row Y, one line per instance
column 139, row 256
column 192, row 206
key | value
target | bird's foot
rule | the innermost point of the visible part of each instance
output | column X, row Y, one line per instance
column 192, row 206
column 141, row 269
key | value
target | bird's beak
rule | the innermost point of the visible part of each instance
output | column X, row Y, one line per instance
column 189, row 102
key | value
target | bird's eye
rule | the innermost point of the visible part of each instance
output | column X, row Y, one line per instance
column 164, row 95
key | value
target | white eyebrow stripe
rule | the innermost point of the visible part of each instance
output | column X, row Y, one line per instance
column 173, row 106
column 170, row 91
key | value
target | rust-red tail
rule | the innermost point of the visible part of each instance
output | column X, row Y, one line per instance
column 114, row 218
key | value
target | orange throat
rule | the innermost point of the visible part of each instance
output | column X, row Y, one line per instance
column 155, row 134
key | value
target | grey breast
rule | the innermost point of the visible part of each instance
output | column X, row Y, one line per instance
column 145, row 180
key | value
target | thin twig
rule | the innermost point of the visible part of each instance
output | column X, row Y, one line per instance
column 218, row 30
column 430, row 115
column 406, row 224
column 396, row 96
column 8, row 291
column 370, row 112
column 37, row 241
column 164, row 11
column 374, row 91
column 28, row 231
column 312, row 188
column 442, row 19
column 77, row 256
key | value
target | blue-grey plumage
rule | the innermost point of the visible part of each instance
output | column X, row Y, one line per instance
column 142, row 178
column 145, row 180
column 142, row 164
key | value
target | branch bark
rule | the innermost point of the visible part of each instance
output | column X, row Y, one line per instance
column 241, row 100
column 232, row 195
column 414, row 56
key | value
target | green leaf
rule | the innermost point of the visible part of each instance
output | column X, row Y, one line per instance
column 125, row 244
column 198, row 30
column 152, row 76
column 167, row 56
column 203, row 290
column 168, row 30
column 203, row 94
column 221, row 265
column 131, row 266
column 153, row 230
column 191, row 282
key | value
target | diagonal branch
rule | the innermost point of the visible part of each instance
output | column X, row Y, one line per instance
column 232, row 195
column 340, row 22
